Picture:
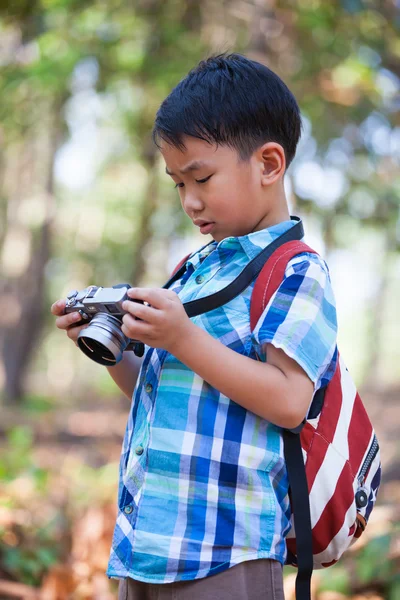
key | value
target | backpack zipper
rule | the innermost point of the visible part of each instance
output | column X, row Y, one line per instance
column 372, row 452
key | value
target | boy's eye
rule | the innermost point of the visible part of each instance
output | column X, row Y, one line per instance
column 203, row 180
column 197, row 180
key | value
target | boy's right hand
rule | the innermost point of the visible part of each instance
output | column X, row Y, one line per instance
column 67, row 322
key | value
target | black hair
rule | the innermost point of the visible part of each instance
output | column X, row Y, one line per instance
column 230, row 100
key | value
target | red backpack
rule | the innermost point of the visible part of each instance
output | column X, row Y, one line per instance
column 332, row 458
column 339, row 448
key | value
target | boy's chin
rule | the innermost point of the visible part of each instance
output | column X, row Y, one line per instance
column 218, row 236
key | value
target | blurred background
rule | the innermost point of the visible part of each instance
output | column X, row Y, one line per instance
column 84, row 199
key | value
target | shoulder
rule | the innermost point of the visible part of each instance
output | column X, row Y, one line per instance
column 308, row 264
column 306, row 280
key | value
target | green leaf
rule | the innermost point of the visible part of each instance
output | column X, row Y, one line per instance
column 47, row 556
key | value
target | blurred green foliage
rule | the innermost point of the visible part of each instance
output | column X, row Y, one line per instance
column 84, row 200
column 17, row 459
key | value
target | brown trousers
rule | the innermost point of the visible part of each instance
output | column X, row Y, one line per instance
column 249, row 580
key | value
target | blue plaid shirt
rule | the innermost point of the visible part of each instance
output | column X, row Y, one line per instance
column 203, row 484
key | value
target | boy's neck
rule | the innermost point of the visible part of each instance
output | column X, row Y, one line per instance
column 278, row 213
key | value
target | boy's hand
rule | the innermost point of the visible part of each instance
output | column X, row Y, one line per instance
column 162, row 325
column 67, row 322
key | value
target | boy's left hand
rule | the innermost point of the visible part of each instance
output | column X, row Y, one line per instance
column 162, row 325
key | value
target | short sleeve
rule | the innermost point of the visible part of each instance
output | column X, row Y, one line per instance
column 300, row 318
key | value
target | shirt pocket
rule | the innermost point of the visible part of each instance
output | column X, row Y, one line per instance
column 199, row 285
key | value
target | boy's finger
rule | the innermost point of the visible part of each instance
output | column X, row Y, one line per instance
column 58, row 307
column 75, row 331
column 154, row 296
column 64, row 321
column 140, row 311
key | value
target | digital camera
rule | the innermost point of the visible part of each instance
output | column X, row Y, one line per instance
column 101, row 307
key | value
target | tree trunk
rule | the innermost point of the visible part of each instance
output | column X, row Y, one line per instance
column 148, row 207
column 22, row 297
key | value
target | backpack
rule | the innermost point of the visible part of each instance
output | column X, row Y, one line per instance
column 333, row 457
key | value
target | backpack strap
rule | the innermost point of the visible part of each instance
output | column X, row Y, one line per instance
column 268, row 281
column 271, row 277
column 179, row 265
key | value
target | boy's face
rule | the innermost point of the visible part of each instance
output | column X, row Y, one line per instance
column 215, row 187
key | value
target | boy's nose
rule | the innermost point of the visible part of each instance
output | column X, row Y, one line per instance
column 192, row 204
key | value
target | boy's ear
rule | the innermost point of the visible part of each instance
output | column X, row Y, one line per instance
column 272, row 161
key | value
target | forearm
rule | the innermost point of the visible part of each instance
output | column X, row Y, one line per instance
column 257, row 386
column 126, row 372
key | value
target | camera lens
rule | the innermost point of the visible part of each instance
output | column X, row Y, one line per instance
column 96, row 349
column 103, row 340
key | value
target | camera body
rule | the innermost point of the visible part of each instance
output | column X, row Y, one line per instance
column 93, row 300
column 101, row 307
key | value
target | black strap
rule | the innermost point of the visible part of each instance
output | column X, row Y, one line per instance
column 250, row 272
column 301, row 512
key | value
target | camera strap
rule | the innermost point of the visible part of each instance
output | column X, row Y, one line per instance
column 243, row 280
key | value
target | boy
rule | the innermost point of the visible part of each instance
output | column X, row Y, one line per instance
column 203, row 492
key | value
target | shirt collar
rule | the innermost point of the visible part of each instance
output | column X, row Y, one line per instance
column 251, row 243
column 199, row 255
column 255, row 241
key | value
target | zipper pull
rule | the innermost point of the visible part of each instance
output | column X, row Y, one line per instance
column 361, row 496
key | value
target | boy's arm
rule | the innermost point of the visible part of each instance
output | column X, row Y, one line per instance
column 279, row 391
column 299, row 322
column 126, row 372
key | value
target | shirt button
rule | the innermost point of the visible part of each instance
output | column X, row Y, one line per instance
column 128, row 509
column 139, row 450
column 148, row 388
column 199, row 278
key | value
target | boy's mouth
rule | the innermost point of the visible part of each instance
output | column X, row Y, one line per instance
column 205, row 226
